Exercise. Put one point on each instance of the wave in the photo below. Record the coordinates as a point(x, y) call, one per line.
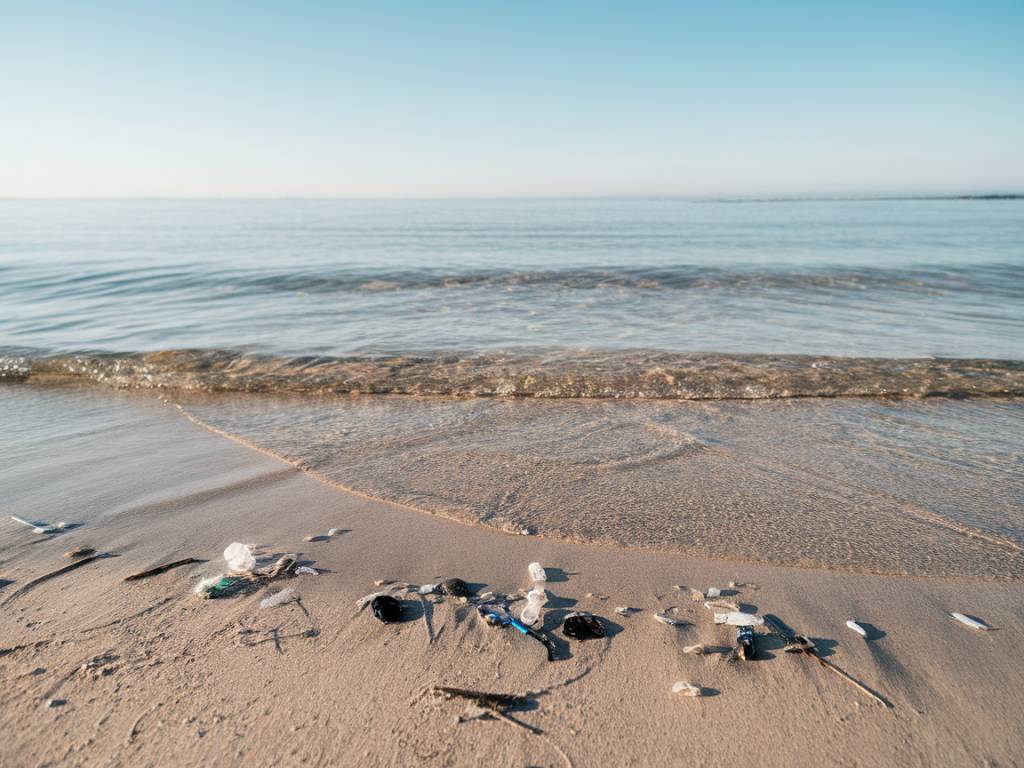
point(1004, 279)
point(628, 375)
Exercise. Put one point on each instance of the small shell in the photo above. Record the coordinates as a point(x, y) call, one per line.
point(305, 570)
point(382, 582)
point(972, 623)
point(597, 596)
point(697, 595)
point(857, 628)
point(334, 531)
point(687, 689)
point(309, 538)
point(79, 552)
point(625, 611)
point(696, 650)
point(714, 592)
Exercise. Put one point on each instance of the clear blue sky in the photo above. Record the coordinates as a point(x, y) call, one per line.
point(381, 99)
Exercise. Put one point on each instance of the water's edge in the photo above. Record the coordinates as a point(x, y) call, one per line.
point(612, 375)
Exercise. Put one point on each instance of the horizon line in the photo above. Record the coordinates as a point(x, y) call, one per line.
point(739, 198)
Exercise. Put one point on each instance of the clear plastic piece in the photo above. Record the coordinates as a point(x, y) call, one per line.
point(239, 557)
point(535, 600)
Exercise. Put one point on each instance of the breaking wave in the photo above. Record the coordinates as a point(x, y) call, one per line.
point(628, 375)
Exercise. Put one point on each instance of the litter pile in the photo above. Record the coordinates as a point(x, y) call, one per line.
point(243, 577)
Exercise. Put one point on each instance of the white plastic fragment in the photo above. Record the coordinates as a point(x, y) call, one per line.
point(687, 689)
point(696, 650)
point(972, 623)
point(45, 528)
point(721, 606)
point(664, 618)
point(739, 619)
point(305, 570)
point(239, 557)
point(857, 628)
point(280, 598)
point(537, 572)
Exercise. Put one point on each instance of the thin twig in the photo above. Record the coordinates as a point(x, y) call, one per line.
point(848, 678)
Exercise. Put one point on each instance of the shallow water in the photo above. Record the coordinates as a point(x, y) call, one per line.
point(922, 487)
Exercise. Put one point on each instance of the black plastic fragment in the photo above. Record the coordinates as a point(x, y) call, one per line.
point(582, 627)
point(387, 609)
point(745, 643)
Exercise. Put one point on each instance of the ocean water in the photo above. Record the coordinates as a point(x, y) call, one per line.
point(580, 357)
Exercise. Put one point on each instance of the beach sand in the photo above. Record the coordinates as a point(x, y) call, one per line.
point(96, 670)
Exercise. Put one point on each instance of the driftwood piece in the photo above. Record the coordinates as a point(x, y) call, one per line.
point(162, 569)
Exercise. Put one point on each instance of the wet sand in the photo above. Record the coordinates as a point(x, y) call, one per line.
point(146, 671)
point(911, 487)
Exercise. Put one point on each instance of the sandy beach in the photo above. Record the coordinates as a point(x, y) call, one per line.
point(97, 670)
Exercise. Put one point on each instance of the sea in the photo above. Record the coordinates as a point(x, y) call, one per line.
point(818, 383)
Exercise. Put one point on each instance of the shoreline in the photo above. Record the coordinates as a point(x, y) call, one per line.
point(144, 668)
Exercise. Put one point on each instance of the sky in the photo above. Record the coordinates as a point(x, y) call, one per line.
point(482, 99)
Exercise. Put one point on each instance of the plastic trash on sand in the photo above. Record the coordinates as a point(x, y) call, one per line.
point(213, 586)
point(722, 606)
point(687, 689)
point(386, 609)
point(745, 642)
point(239, 557)
point(582, 626)
point(857, 628)
point(40, 527)
point(739, 619)
point(972, 623)
point(537, 572)
point(535, 600)
point(282, 597)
